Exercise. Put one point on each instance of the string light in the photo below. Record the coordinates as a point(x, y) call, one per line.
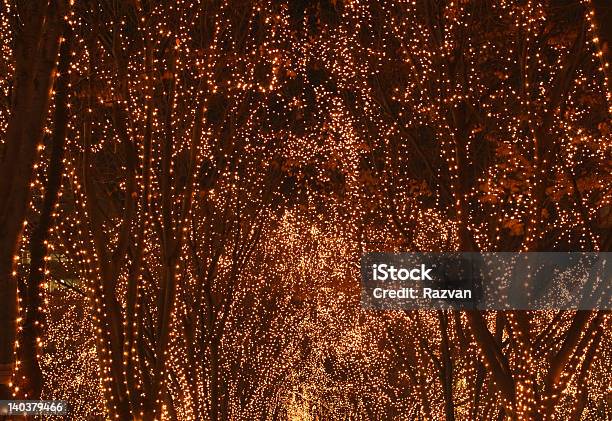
point(227, 165)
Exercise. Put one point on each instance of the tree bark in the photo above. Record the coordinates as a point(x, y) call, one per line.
point(447, 367)
point(36, 51)
point(602, 16)
point(33, 319)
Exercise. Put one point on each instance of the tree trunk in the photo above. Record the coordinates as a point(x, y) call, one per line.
point(602, 16)
point(33, 319)
point(36, 50)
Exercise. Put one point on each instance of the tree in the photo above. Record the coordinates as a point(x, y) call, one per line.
point(479, 123)
point(37, 28)
point(227, 163)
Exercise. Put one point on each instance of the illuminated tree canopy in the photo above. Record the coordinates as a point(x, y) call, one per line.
point(187, 188)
